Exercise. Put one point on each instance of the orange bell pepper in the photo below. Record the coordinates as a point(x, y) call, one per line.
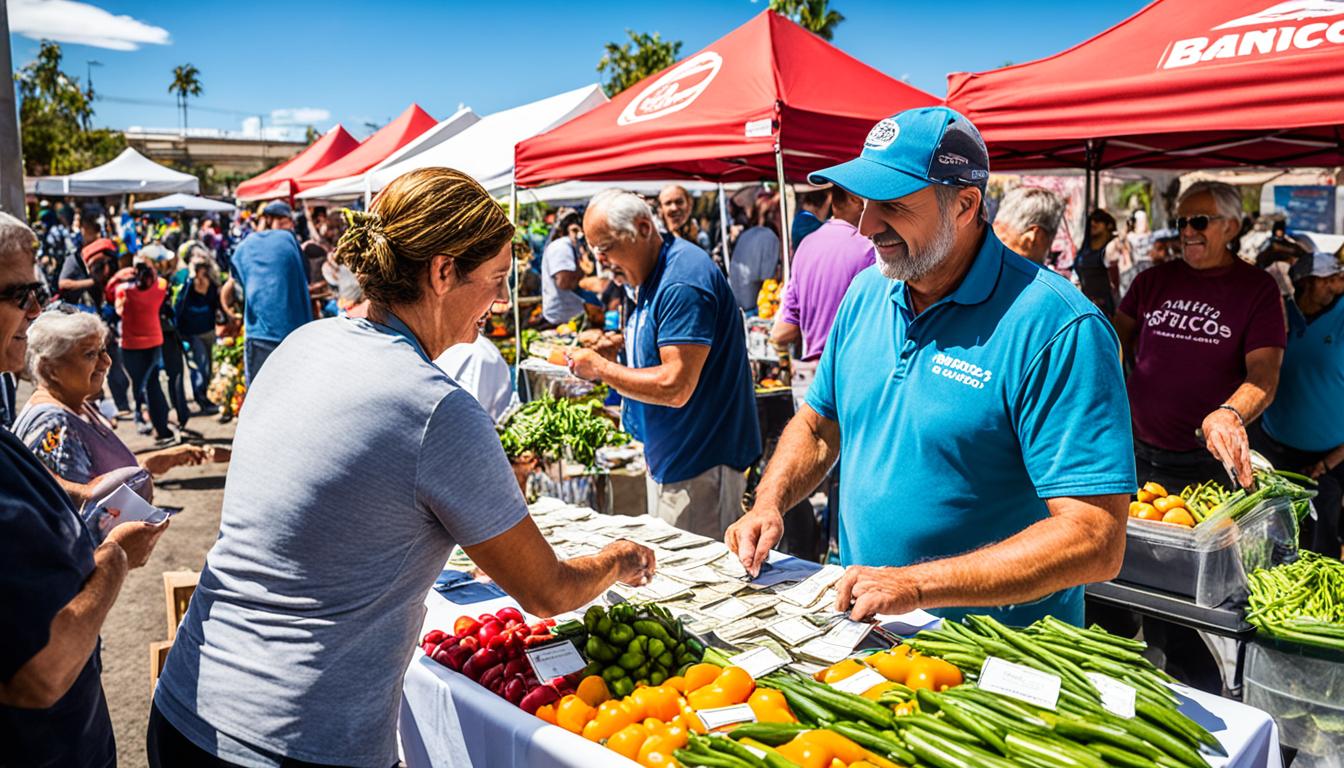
point(627, 741)
point(770, 706)
point(593, 690)
point(572, 713)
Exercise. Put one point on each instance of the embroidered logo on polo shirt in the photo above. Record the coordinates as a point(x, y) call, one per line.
point(960, 371)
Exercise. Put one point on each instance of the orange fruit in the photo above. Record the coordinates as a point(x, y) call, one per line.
point(1155, 489)
point(1148, 512)
point(627, 741)
point(1168, 503)
point(700, 675)
point(1179, 516)
point(1134, 507)
point(1145, 497)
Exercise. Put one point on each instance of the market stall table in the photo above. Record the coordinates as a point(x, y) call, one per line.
point(448, 720)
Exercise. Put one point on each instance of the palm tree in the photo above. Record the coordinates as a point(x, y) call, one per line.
point(186, 83)
point(813, 15)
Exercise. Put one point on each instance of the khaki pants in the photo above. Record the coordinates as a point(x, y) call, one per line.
point(705, 504)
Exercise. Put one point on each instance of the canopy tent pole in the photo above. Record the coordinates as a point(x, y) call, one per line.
point(368, 192)
point(783, 214)
point(723, 227)
point(517, 278)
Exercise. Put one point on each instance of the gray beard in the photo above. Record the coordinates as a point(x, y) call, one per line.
point(917, 264)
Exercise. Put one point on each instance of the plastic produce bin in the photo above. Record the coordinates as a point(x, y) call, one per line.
point(1304, 692)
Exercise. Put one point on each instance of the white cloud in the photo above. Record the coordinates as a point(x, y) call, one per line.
point(67, 21)
point(252, 128)
point(299, 116)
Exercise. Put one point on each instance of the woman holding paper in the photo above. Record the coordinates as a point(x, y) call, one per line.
point(56, 586)
point(67, 357)
point(346, 495)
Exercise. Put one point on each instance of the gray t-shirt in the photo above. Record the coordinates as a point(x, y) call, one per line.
point(558, 306)
point(356, 466)
point(753, 261)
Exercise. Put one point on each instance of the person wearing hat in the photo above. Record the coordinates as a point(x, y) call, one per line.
point(1303, 429)
point(974, 399)
point(270, 269)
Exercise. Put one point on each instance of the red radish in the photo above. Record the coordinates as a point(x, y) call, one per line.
point(537, 698)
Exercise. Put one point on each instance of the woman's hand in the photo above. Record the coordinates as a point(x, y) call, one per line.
point(635, 562)
point(137, 540)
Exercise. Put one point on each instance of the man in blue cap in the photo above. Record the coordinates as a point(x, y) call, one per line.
point(975, 402)
point(274, 277)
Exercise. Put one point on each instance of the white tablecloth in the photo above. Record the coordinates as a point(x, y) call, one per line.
point(448, 721)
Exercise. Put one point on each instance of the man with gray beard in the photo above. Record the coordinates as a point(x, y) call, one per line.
point(975, 402)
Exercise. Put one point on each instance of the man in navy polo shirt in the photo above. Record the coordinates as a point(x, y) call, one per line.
point(687, 386)
point(975, 401)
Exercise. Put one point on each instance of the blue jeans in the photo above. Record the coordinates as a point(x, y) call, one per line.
point(255, 352)
point(144, 365)
point(117, 380)
point(202, 354)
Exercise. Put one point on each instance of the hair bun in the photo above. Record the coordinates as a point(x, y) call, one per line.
point(365, 247)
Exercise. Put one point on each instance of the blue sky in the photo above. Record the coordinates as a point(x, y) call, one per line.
point(365, 62)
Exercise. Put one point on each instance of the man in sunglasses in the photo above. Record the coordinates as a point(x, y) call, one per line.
point(57, 585)
point(1206, 334)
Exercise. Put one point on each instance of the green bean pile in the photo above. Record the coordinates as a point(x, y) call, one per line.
point(1301, 601)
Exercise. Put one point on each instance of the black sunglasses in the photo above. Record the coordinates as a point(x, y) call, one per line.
point(24, 294)
point(1198, 223)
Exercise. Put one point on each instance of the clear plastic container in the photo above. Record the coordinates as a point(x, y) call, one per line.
point(1208, 563)
point(1305, 695)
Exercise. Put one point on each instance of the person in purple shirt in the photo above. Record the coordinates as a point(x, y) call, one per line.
point(823, 267)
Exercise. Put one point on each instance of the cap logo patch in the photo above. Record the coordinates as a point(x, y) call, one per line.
point(952, 158)
point(882, 135)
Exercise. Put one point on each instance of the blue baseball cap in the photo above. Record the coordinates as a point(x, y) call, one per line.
point(909, 151)
point(278, 208)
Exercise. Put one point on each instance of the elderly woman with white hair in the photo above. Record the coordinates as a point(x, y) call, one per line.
point(1207, 334)
point(67, 358)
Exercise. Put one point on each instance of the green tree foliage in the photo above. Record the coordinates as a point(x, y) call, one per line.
point(624, 65)
point(52, 116)
point(186, 84)
point(813, 15)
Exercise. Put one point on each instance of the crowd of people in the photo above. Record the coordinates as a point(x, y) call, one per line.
point(929, 341)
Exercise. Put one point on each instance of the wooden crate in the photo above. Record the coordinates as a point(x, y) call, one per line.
point(178, 587)
point(158, 654)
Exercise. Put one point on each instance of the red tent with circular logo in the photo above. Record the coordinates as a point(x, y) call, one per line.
point(720, 114)
point(1180, 84)
point(280, 181)
point(373, 150)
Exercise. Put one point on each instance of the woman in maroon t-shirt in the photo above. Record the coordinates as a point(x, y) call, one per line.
point(1206, 333)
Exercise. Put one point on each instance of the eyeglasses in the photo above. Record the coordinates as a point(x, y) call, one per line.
point(24, 294)
point(1198, 223)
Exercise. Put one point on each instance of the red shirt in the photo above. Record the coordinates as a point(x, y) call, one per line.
point(140, 327)
point(1195, 328)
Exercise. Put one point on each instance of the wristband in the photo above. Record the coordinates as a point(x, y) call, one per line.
point(1227, 407)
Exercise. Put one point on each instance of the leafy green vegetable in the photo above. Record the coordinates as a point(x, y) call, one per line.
point(555, 428)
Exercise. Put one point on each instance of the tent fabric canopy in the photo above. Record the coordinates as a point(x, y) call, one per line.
point(280, 180)
point(353, 185)
point(183, 202)
point(1177, 85)
point(485, 151)
point(373, 150)
point(718, 114)
point(126, 174)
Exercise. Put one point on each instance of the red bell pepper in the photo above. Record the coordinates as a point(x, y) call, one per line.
point(435, 636)
point(509, 613)
point(457, 657)
point(537, 698)
point(489, 630)
point(515, 689)
point(491, 675)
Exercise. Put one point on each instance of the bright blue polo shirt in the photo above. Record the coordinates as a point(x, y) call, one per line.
point(956, 424)
point(1311, 376)
point(687, 301)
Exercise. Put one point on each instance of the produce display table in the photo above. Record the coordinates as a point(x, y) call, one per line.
point(447, 720)
point(1224, 622)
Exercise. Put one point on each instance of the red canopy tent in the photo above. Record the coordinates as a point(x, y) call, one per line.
point(280, 181)
point(373, 150)
point(769, 99)
point(1177, 85)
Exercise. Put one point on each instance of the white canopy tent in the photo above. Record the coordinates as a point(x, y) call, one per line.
point(130, 173)
point(183, 202)
point(485, 150)
point(354, 186)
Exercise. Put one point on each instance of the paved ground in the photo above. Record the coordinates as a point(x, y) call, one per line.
point(138, 617)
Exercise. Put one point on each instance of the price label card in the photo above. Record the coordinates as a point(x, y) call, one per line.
point(794, 630)
point(729, 609)
point(759, 662)
point(1117, 697)
point(721, 717)
point(809, 589)
point(1020, 682)
point(818, 648)
point(859, 682)
point(554, 660)
point(848, 633)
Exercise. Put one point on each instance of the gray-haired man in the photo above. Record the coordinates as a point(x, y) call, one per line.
point(1027, 220)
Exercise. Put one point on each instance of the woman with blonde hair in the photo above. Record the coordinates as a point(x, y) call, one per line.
point(357, 466)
